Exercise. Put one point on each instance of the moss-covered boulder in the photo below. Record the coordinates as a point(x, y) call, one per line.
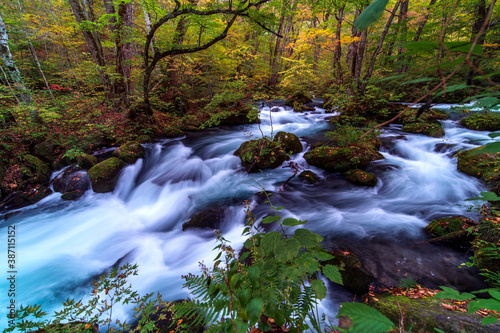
point(433, 129)
point(297, 101)
point(104, 176)
point(483, 166)
point(354, 277)
point(482, 121)
point(289, 141)
point(47, 150)
point(340, 159)
point(429, 116)
point(452, 230)
point(360, 177)
point(309, 176)
point(129, 152)
point(261, 154)
point(86, 161)
point(41, 171)
point(426, 314)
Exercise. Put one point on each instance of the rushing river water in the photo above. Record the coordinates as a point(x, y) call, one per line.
point(62, 246)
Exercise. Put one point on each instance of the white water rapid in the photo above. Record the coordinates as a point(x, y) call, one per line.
point(61, 246)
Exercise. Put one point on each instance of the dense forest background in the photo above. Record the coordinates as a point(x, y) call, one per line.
point(83, 74)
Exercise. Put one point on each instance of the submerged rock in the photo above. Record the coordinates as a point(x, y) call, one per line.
point(31, 195)
point(297, 101)
point(309, 176)
point(359, 177)
point(210, 218)
point(104, 176)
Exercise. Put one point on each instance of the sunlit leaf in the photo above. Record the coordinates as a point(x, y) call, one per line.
point(332, 273)
point(319, 288)
point(290, 222)
point(490, 148)
point(486, 196)
point(450, 293)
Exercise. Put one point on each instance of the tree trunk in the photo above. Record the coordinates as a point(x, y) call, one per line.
point(480, 11)
point(12, 70)
point(403, 28)
point(337, 53)
point(360, 53)
point(353, 47)
point(93, 42)
point(276, 55)
point(377, 50)
point(419, 33)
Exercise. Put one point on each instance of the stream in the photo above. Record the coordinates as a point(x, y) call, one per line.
point(61, 246)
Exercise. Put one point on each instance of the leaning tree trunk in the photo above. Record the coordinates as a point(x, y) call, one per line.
point(480, 17)
point(13, 71)
point(403, 28)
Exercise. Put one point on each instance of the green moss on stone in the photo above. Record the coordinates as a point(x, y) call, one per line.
point(41, 170)
point(309, 176)
point(433, 129)
point(426, 314)
point(340, 159)
point(86, 161)
point(129, 152)
point(483, 166)
point(261, 154)
point(103, 176)
point(354, 277)
point(482, 121)
point(290, 142)
point(359, 177)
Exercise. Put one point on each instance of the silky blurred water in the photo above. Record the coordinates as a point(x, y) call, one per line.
point(62, 246)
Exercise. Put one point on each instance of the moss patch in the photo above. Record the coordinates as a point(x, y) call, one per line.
point(354, 277)
point(104, 176)
point(483, 166)
point(433, 129)
point(340, 159)
point(452, 230)
point(86, 161)
point(482, 121)
point(129, 152)
point(309, 176)
point(359, 177)
point(290, 142)
point(424, 315)
point(41, 171)
point(261, 154)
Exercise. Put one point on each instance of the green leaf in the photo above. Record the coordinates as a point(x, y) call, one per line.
point(489, 304)
point(371, 14)
point(289, 248)
point(392, 77)
point(489, 320)
point(322, 256)
point(307, 238)
point(270, 241)
point(319, 288)
point(495, 293)
point(308, 262)
point(486, 196)
point(270, 219)
point(290, 222)
point(424, 79)
point(254, 309)
point(463, 47)
point(438, 330)
point(487, 102)
point(490, 148)
point(494, 135)
point(365, 318)
point(450, 293)
point(244, 295)
point(332, 273)
point(453, 87)
point(254, 275)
